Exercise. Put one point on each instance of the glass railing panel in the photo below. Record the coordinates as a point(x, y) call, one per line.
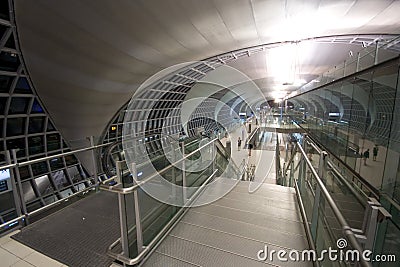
point(385, 52)
point(388, 244)
point(367, 57)
point(351, 204)
point(328, 231)
point(156, 214)
point(351, 67)
point(306, 188)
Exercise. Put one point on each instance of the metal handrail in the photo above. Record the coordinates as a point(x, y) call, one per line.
point(371, 190)
point(118, 188)
point(163, 231)
point(13, 220)
point(344, 181)
point(304, 217)
point(25, 163)
point(347, 230)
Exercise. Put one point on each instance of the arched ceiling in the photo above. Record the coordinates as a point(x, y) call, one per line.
point(86, 58)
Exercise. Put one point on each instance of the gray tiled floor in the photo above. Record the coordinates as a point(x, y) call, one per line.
point(13, 253)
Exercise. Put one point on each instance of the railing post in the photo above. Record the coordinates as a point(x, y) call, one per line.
point(213, 156)
point(317, 199)
point(17, 200)
point(18, 180)
point(376, 53)
point(184, 192)
point(374, 214)
point(358, 61)
point(122, 214)
point(173, 178)
point(139, 233)
point(95, 174)
point(291, 174)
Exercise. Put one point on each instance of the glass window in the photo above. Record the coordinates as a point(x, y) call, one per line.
point(53, 142)
point(10, 42)
point(56, 164)
point(1, 128)
point(74, 174)
point(3, 103)
point(50, 126)
point(66, 193)
point(22, 86)
point(43, 185)
point(70, 160)
point(9, 61)
point(35, 145)
point(80, 187)
point(17, 143)
point(39, 168)
point(29, 194)
point(15, 126)
point(4, 12)
point(59, 179)
point(36, 107)
point(33, 206)
point(24, 172)
point(19, 105)
point(36, 125)
point(5, 83)
point(3, 29)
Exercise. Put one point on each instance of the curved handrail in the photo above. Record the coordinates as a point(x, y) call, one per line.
point(127, 190)
point(164, 230)
point(375, 192)
point(347, 230)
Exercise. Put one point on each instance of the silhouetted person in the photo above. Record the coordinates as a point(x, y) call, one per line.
point(375, 153)
point(239, 143)
point(250, 147)
point(366, 156)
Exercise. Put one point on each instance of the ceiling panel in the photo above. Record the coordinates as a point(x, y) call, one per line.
point(95, 54)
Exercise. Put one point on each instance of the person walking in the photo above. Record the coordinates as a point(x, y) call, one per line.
point(250, 147)
point(239, 143)
point(375, 152)
point(366, 156)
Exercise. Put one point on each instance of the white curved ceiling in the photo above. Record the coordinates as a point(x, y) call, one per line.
point(86, 58)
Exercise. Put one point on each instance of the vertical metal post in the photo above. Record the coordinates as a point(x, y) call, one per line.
point(173, 179)
point(18, 180)
point(17, 201)
point(139, 233)
point(376, 53)
point(317, 199)
point(284, 178)
point(291, 184)
point(122, 215)
point(183, 173)
point(358, 62)
point(213, 156)
point(344, 68)
point(277, 160)
point(95, 174)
